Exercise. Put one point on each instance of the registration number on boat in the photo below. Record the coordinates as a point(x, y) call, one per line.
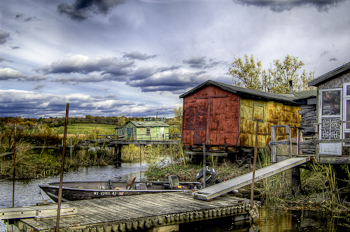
point(108, 193)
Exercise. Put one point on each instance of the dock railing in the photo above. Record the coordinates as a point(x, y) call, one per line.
point(331, 132)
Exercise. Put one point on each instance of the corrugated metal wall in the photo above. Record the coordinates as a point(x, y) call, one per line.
point(211, 116)
point(272, 113)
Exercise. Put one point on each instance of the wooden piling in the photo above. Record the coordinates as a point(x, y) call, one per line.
point(62, 170)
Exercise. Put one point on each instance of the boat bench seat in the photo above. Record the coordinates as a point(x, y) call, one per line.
point(141, 186)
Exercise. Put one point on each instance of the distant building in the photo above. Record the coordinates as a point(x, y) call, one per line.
point(147, 130)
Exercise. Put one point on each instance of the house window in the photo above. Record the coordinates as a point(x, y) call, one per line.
point(148, 131)
point(331, 102)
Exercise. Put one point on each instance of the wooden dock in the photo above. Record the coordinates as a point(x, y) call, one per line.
point(246, 179)
point(128, 213)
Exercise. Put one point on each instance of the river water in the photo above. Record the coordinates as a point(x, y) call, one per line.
point(27, 193)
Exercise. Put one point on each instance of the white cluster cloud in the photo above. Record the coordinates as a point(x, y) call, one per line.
point(11, 74)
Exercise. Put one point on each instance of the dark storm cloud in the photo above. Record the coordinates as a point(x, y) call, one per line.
point(81, 9)
point(8, 74)
point(279, 6)
point(138, 56)
point(147, 78)
point(4, 36)
point(90, 78)
point(84, 65)
point(146, 72)
point(143, 73)
point(171, 81)
point(201, 63)
point(152, 111)
point(171, 68)
point(32, 104)
point(196, 62)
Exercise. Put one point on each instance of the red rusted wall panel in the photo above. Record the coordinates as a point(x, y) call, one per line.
point(211, 116)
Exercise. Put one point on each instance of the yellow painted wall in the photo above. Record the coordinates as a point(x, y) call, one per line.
point(272, 113)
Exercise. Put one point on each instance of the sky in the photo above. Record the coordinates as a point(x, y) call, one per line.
point(136, 57)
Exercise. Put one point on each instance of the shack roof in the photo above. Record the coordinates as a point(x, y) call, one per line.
point(247, 93)
point(325, 77)
point(149, 123)
point(305, 94)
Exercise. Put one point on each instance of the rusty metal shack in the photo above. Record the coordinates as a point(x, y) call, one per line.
point(219, 114)
point(331, 121)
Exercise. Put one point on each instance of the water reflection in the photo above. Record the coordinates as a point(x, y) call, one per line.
point(275, 221)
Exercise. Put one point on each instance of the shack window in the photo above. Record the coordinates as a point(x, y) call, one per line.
point(331, 102)
point(148, 131)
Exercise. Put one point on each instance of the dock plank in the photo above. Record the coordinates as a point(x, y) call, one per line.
point(142, 211)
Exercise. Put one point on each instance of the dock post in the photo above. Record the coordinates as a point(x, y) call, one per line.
point(273, 147)
point(296, 183)
point(119, 153)
point(289, 133)
point(204, 166)
point(62, 170)
point(298, 141)
point(14, 170)
point(71, 148)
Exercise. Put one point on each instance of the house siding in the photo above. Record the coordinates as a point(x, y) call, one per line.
point(139, 133)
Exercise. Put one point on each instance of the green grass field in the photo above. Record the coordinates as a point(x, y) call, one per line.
point(87, 128)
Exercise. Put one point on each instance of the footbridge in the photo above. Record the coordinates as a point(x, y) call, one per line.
point(233, 184)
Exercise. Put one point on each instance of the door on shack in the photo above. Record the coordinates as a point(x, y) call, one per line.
point(330, 117)
point(161, 132)
point(210, 120)
point(130, 132)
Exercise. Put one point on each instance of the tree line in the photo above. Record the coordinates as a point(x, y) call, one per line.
point(248, 73)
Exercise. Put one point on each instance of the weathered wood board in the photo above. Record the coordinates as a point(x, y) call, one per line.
point(139, 212)
point(246, 179)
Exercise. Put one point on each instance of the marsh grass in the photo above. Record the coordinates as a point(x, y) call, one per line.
point(318, 184)
point(44, 162)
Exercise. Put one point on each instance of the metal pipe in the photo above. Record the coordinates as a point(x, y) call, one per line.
point(62, 170)
point(14, 170)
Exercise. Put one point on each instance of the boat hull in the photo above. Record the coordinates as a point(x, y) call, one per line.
point(72, 191)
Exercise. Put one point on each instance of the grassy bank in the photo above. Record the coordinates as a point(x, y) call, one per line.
point(44, 162)
point(88, 128)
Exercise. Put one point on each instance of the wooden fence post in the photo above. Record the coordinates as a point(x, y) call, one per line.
point(273, 147)
point(289, 133)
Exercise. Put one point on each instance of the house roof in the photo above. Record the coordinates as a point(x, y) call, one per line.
point(148, 123)
point(317, 81)
point(250, 93)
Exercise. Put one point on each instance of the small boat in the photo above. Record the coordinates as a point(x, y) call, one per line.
point(83, 190)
